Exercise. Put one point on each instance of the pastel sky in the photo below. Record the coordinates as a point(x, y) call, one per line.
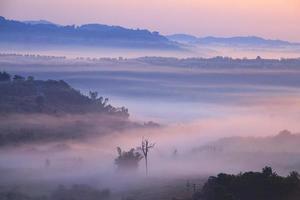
point(267, 18)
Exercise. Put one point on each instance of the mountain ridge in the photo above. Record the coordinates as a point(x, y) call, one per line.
point(38, 33)
point(234, 41)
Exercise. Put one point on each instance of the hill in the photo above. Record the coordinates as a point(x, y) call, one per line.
point(284, 141)
point(182, 38)
point(33, 22)
point(38, 33)
point(241, 41)
point(20, 95)
point(45, 111)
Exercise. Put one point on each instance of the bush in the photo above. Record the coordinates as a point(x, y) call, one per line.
point(251, 185)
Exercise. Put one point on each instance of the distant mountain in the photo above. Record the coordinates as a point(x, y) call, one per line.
point(242, 41)
point(39, 33)
point(229, 41)
point(183, 38)
point(285, 141)
point(34, 22)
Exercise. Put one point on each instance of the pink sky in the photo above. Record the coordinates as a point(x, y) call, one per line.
point(267, 18)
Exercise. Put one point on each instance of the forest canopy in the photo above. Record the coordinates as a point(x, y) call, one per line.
point(27, 95)
point(251, 185)
point(44, 111)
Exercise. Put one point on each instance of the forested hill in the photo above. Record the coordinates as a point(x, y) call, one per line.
point(27, 95)
point(89, 35)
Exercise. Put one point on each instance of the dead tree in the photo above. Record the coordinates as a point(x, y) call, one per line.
point(146, 146)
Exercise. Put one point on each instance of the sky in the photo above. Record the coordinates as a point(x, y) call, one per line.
point(274, 19)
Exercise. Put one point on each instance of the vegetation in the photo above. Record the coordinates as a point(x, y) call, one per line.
point(41, 111)
point(145, 147)
point(128, 160)
point(251, 185)
point(20, 95)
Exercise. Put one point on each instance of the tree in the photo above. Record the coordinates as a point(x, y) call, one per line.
point(294, 177)
point(128, 160)
point(145, 147)
point(30, 78)
point(267, 171)
point(98, 100)
point(18, 78)
point(250, 185)
point(4, 76)
point(93, 95)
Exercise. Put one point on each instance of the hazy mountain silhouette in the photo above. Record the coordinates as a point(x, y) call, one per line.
point(42, 32)
point(34, 22)
point(182, 38)
point(284, 141)
point(229, 41)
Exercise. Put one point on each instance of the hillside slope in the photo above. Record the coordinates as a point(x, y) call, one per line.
point(20, 95)
point(88, 35)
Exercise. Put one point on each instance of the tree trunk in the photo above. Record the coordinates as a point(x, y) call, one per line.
point(146, 160)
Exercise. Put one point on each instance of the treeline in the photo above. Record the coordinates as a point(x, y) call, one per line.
point(224, 62)
point(27, 95)
point(251, 185)
point(195, 62)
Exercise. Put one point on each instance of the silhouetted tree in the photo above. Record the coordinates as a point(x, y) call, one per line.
point(93, 95)
point(175, 153)
point(30, 78)
point(4, 76)
point(188, 185)
point(145, 147)
point(251, 185)
point(128, 160)
point(18, 78)
point(267, 171)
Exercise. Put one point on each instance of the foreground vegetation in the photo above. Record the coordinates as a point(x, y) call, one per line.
point(263, 185)
point(251, 185)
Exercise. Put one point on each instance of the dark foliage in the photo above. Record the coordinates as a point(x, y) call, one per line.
point(18, 78)
point(50, 97)
point(128, 160)
point(251, 185)
point(71, 115)
point(14, 194)
point(4, 76)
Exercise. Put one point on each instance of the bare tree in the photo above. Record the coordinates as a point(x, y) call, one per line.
point(146, 146)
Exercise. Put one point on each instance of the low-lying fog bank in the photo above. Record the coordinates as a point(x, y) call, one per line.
point(199, 148)
point(219, 119)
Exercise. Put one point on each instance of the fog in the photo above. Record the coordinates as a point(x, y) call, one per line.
point(187, 50)
point(199, 110)
point(91, 160)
